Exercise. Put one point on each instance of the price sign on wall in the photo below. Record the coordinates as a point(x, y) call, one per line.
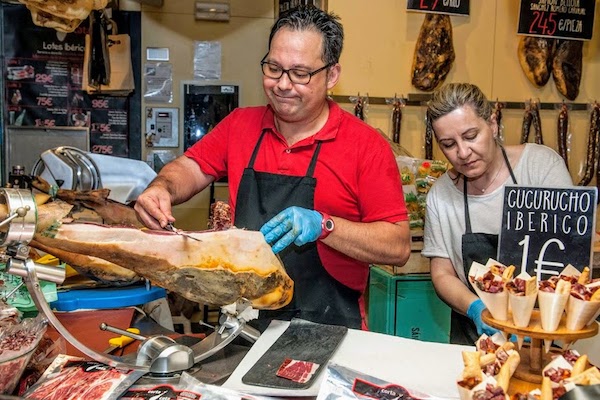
point(545, 229)
point(455, 7)
point(568, 19)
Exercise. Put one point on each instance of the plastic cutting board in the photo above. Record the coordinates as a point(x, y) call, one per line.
point(302, 340)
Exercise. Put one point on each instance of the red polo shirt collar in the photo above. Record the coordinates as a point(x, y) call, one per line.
point(327, 132)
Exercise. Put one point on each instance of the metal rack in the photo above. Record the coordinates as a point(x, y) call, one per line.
point(419, 100)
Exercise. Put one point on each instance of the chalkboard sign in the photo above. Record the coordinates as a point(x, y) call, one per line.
point(567, 19)
point(545, 229)
point(455, 7)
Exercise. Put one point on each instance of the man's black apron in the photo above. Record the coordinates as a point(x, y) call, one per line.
point(318, 297)
point(475, 247)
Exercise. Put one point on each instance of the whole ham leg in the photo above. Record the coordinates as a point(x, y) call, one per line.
point(225, 266)
point(434, 52)
point(535, 56)
point(567, 66)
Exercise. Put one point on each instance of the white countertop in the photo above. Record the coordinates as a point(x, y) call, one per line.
point(427, 367)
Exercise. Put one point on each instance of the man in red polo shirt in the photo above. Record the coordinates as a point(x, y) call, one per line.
point(319, 183)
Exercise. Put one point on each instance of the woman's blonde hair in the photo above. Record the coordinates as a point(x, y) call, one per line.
point(455, 95)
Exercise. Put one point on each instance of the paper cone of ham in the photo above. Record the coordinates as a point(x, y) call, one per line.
point(472, 375)
point(552, 305)
point(571, 272)
point(495, 297)
point(467, 394)
point(580, 313)
point(522, 294)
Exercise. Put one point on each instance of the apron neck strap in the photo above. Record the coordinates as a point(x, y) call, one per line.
point(465, 196)
point(313, 162)
point(255, 151)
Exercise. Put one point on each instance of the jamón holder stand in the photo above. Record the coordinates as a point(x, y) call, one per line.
point(158, 355)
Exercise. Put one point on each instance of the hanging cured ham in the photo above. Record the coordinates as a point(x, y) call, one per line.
point(535, 56)
point(567, 66)
point(434, 52)
point(62, 15)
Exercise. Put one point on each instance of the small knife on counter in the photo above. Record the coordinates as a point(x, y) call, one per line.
point(121, 341)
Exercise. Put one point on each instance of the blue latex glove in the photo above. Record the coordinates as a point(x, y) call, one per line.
point(293, 225)
point(474, 312)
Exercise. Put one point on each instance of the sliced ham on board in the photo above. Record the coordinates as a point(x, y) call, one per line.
point(296, 370)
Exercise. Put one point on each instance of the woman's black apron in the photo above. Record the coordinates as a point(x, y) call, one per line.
point(477, 247)
point(318, 297)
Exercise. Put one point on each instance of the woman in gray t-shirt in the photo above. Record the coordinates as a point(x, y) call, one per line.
point(464, 206)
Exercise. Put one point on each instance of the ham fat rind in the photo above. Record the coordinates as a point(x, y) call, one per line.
point(224, 267)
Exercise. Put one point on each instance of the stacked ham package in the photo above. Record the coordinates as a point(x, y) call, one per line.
point(18, 341)
point(73, 378)
point(344, 383)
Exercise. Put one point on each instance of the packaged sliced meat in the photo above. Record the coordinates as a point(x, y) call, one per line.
point(187, 387)
point(73, 378)
point(17, 344)
point(344, 383)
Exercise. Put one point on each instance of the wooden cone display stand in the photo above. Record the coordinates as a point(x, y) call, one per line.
point(533, 356)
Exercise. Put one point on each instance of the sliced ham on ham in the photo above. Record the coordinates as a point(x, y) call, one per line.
point(225, 266)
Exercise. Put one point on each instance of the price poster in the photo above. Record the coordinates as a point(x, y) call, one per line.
point(43, 84)
point(566, 19)
point(453, 7)
point(545, 229)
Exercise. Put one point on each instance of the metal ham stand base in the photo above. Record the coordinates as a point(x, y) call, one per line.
point(157, 355)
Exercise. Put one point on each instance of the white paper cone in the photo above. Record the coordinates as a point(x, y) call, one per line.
point(496, 303)
point(476, 270)
point(547, 344)
point(580, 313)
point(557, 362)
point(551, 306)
point(522, 307)
point(520, 340)
point(466, 394)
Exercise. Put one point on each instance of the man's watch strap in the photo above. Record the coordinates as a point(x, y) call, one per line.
point(327, 225)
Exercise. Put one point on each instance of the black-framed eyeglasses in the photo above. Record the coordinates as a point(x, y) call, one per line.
point(297, 76)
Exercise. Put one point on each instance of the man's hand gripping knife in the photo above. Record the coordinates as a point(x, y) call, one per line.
point(293, 225)
point(474, 312)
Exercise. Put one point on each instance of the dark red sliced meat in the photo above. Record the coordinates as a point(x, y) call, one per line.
point(296, 370)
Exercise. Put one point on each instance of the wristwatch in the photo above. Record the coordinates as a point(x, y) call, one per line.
point(327, 225)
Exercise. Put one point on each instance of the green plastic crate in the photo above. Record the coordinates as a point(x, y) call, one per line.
point(407, 306)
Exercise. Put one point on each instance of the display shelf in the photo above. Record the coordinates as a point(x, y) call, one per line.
point(533, 358)
point(420, 100)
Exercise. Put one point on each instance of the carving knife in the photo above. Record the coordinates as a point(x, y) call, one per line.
point(171, 227)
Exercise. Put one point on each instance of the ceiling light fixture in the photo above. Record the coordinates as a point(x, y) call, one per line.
point(208, 11)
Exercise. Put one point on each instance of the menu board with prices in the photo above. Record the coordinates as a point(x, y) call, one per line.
point(566, 19)
point(43, 84)
point(545, 229)
point(453, 7)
